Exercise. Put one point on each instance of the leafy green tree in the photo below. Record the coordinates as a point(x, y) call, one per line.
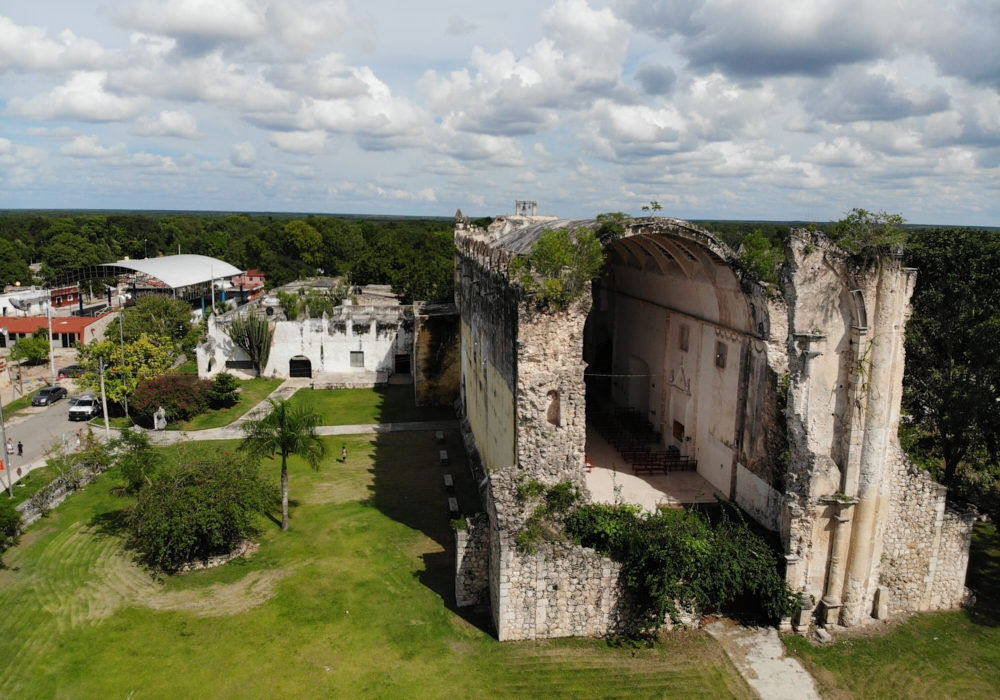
point(224, 391)
point(164, 320)
point(288, 429)
point(761, 256)
point(69, 251)
point(13, 268)
point(144, 359)
point(197, 509)
point(952, 381)
point(291, 305)
point(33, 350)
point(869, 235)
point(559, 265)
point(306, 242)
point(136, 459)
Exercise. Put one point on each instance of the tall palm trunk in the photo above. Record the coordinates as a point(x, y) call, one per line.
point(284, 492)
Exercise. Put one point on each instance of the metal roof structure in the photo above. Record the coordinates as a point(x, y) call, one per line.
point(189, 276)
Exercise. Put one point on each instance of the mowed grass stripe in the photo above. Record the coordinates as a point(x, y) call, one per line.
point(360, 604)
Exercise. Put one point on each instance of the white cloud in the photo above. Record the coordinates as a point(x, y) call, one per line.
point(29, 49)
point(177, 123)
point(243, 155)
point(842, 152)
point(201, 22)
point(83, 97)
point(309, 142)
point(425, 195)
point(90, 147)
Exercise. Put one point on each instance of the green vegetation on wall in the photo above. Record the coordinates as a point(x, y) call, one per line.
point(559, 265)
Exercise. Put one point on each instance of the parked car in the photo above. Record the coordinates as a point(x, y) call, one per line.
point(71, 371)
point(49, 395)
point(86, 407)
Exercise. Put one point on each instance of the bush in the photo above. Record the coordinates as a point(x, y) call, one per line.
point(10, 524)
point(182, 396)
point(559, 266)
point(197, 510)
point(676, 557)
point(136, 460)
point(224, 391)
point(34, 349)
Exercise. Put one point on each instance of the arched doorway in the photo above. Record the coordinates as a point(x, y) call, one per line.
point(300, 366)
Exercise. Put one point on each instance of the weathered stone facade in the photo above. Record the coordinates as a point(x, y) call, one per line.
point(789, 400)
point(472, 562)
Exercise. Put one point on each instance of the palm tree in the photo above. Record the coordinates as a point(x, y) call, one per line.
point(289, 430)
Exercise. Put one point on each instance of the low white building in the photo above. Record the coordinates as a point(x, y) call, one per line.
point(354, 346)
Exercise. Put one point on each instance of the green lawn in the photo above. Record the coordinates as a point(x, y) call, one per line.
point(32, 484)
point(356, 600)
point(252, 392)
point(384, 404)
point(187, 367)
point(936, 655)
point(18, 405)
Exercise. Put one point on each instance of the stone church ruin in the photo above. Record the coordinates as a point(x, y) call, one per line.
point(680, 378)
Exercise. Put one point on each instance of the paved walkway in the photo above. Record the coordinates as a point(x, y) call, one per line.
point(760, 658)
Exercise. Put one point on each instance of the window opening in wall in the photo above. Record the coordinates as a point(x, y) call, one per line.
point(552, 415)
point(678, 430)
point(684, 336)
point(358, 360)
point(721, 349)
point(402, 363)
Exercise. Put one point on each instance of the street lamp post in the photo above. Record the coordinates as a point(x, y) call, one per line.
point(3, 436)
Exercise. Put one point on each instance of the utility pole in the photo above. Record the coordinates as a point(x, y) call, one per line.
point(211, 271)
point(52, 350)
point(121, 334)
point(104, 403)
point(3, 436)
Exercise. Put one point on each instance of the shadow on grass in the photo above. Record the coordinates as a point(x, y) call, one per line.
point(408, 486)
point(983, 578)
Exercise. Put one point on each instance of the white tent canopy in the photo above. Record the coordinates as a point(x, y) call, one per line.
point(177, 270)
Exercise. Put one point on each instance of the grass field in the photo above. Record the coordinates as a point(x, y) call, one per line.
point(939, 655)
point(253, 391)
point(385, 404)
point(18, 405)
point(356, 600)
point(32, 484)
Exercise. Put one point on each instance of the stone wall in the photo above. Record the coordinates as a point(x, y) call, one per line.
point(472, 583)
point(437, 370)
point(926, 544)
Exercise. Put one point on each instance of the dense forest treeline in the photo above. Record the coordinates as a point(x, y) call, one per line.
point(415, 256)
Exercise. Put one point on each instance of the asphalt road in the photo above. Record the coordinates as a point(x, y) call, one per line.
point(39, 429)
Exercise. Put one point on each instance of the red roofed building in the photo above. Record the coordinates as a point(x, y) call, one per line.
point(66, 330)
point(252, 283)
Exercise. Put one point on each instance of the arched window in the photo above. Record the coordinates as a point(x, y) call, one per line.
point(552, 415)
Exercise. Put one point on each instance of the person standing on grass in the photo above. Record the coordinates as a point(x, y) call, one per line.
point(343, 454)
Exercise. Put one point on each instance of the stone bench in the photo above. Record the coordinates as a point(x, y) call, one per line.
point(449, 483)
point(439, 437)
point(443, 456)
point(453, 507)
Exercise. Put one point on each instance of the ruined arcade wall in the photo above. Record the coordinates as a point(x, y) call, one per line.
point(437, 363)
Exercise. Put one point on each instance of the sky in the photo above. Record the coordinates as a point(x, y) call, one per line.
point(716, 109)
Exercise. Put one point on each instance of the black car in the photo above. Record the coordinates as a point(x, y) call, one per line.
point(71, 371)
point(48, 396)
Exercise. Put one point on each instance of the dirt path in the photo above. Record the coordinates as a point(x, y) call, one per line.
point(760, 657)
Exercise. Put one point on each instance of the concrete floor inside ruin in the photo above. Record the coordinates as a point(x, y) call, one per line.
point(648, 490)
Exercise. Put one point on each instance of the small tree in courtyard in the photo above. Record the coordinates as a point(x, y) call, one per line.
point(286, 430)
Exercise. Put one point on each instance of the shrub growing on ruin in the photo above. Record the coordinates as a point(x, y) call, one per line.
point(870, 236)
point(182, 396)
point(677, 558)
point(198, 509)
point(559, 266)
point(761, 256)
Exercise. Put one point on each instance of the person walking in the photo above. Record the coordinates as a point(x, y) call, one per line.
point(343, 454)
point(20, 449)
point(10, 447)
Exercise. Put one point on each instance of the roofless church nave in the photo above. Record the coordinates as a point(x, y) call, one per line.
point(694, 380)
